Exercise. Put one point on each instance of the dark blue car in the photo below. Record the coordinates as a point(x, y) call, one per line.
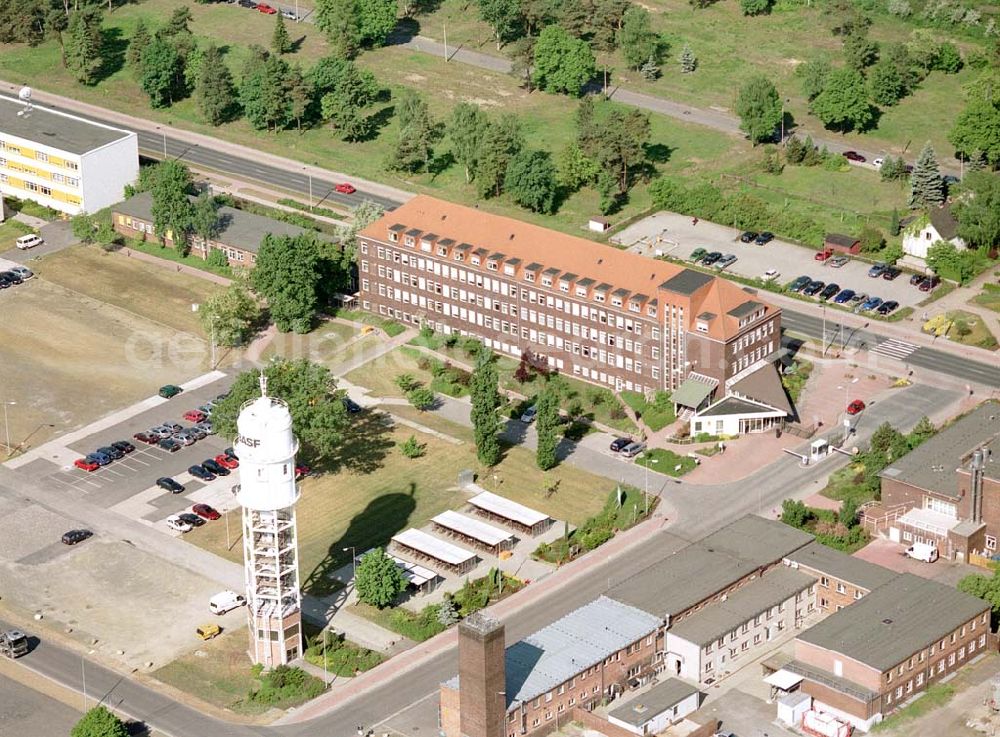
point(844, 297)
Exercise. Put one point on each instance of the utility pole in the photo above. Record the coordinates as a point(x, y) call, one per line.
point(445, 25)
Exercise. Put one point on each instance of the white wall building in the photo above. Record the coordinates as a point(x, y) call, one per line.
point(654, 710)
point(939, 225)
point(62, 161)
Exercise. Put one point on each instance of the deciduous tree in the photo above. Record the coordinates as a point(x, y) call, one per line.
point(978, 213)
point(346, 98)
point(860, 52)
point(172, 209)
point(885, 85)
point(287, 275)
point(531, 181)
point(378, 579)
point(843, 104)
point(755, 7)
point(814, 74)
point(613, 137)
point(484, 388)
point(926, 183)
point(161, 72)
point(263, 93)
point(547, 428)
point(502, 16)
point(99, 722)
point(502, 141)
point(759, 108)
point(977, 129)
point(636, 39)
point(230, 314)
point(562, 63)
point(466, 130)
point(376, 19)
point(214, 92)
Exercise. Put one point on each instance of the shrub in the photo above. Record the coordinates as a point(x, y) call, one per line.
point(406, 383)
point(451, 341)
point(286, 683)
point(412, 448)
point(421, 398)
point(424, 363)
point(217, 258)
point(471, 347)
point(426, 332)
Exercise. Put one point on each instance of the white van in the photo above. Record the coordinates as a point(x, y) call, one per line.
point(923, 551)
point(225, 601)
point(28, 241)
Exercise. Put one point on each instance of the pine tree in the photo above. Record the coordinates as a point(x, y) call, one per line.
point(416, 134)
point(688, 60)
point(926, 184)
point(485, 402)
point(339, 21)
point(547, 425)
point(136, 45)
point(214, 92)
point(894, 222)
point(280, 41)
point(83, 45)
point(650, 70)
point(977, 161)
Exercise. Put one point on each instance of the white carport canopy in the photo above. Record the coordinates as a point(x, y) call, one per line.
point(783, 679)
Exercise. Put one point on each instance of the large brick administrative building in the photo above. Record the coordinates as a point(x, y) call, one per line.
point(585, 309)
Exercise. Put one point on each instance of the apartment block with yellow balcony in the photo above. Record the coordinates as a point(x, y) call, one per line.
point(62, 161)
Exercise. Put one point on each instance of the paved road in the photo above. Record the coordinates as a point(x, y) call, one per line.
point(702, 509)
point(24, 711)
point(920, 357)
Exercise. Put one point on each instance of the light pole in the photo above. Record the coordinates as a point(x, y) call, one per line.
point(164, 134)
point(6, 426)
point(354, 560)
point(214, 318)
point(824, 329)
point(83, 673)
point(309, 176)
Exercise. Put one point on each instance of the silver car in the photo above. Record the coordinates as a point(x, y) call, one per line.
point(22, 271)
point(725, 261)
point(633, 449)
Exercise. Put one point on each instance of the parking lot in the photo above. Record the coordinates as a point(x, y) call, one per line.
point(670, 234)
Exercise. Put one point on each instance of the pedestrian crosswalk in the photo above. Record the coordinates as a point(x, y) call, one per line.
point(893, 348)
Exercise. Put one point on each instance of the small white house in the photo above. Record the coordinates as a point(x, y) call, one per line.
point(653, 711)
point(599, 224)
point(939, 225)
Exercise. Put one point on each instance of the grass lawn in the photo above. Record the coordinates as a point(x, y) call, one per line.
point(10, 231)
point(432, 420)
point(172, 254)
point(598, 404)
point(391, 327)
point(371, 491)
point(935, 696)
point(795, 382)
point(968, 328)
point(142, 288)
point(655, 417)
point(666, 461)
point(845, 483)
point(988, 298)
point(382, 380)
point(417, 626)
point(325, 344)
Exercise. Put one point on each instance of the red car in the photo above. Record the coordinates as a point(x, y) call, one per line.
point(195, 415)
point(205, 512)
point(823, 255)
point(227, 461)
point(345, 188)
point(84, 465)
point(145, 437)
point(266, 9)
point(302, 471)
point(854, 156)
point(854, 407)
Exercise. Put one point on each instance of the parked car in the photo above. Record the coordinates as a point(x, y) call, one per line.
point(854, 156)
point(301, 471)
point(854, 407)
point(86, 465)
point(886, 307)
point(102, 459)
point(5, 283)
point(192, 519)
point(23, 271)
point(764, 238)
point(13, 278)
point(124, 446)
point(749, 236)
point(160, 432)
point(185, 438)
point(265, 9)
point(345, 188)
point(877, 163)
point(915, 279)
point(231, 453)
point(195, 415)
point(200, 472)
point(813, 288)
point(529, 414)
point(350, 405)
point(168, 484)
point(246, 4)
point(891, 272)
point(926, 552)
point(823, 255)
point(877, 270)
point(112, 453)
point(225, 601)
point(929, 283)
point(837, 261)
point(208, 631)
point(170, 445)
point(227, 461)
point(168, 391)
point(290, 14)
point(76, 536)
point(799, 284)
point(217, 468)
point(710, 258)
point(205, 511)
point(145, 437)
point(205, 427)
point(633, 449)
point(872, 304)
point(771, 275)
point(726, 260)
point(697, 253)
point(206, 409)
point(174, 522)
point(25, 242)
point(859, 297)
point(173, 426)
point(844, 297)
point(618, 443)
point(829, 290)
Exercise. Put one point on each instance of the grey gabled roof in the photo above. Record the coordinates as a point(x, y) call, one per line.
point(895, 621)
point(759, 540)
point(646, 706)
point(581, 639)
point(931, 466)
point(840, 565)
point(687, 282)
point(840, 239)
point(764, 386)
point(720, 618)
point(58, 130)
point(943, 221)
point(745, 309)
point(735, 406)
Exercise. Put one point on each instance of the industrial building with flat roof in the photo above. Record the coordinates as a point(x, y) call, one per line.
point(62, 161)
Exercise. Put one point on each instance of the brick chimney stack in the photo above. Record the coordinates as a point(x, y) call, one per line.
point(482, 681)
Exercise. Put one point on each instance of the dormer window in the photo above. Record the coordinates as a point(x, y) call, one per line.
point(425, 246)
point(459, 256)
point(581, 291)
point(598, 296)
point(701, 326)
point(475, 260)
point(651, 311)
point(633, 306)
point(529, 276)
point(442, 251)
point(491, 265)
point(409, 240)
point(508, 269)
point(546, 281)
point(616, 301)
point(394, 236)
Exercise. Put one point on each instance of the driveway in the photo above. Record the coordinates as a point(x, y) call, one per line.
point(57, 235)
point(892, 556)
point(674, 235)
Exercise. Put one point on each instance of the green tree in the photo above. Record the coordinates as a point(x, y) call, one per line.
point(926, 184)
point(759, 108)
point(986, 588)
point(378, 579)
point(531, 181)
point(502, 141)
point(522, 61)
point(214, 92)
point(885, 85)
point(894, 224)
point(287, 275)
point(843, 104)
point(230, 314)
point(547, 427)
point(486, 401)
point(562, 63)
point(607, 17)
point(84, 46)
point(55, 24)
point(376, 19)
point(172, 209)
point(23, 22)
point(755, 7)
point(872, 240)
point(574, 16)
point(99, 722)
point(193, 64)
point(860, 52)
point(205, 217)
point(467, 129)
point(421, 398)
point(574, 169)
point(161, 72)
point(178, 21)
point(814, 74)
point(299, 93)
point(502, 16)
point(923, 430)
point(957, 264)
point(978, 213)
point(615, 138)
point(310, 390)
point(893, 168)
point(848, 514)
point(688, 60)
point(977, 129)
point(417, 133)
point(341, 24)
point(346, 98)
point(795, 513)
point(263, 94)
point(535, 14)
point(636, 38)
point(412, 448)
point(949, 59)
point(281, 43)
point(136, 45)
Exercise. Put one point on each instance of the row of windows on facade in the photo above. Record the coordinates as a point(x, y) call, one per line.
point(937, 668)
point(272, 635)
point(54, 176)
point(734, 653)
point(233, 254)
point(745, 627)
point(599, 295)
point(498, 286)
point(936, 647)
point(39, 155)
point(841, 587)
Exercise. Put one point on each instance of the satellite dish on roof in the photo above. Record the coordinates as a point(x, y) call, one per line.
point(25, 94)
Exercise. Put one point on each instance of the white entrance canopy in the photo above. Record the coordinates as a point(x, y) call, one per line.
point(783, 679)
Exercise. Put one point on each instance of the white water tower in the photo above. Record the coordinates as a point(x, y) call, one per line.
point(266, 448)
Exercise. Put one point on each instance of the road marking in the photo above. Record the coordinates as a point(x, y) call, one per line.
point(894, 348)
